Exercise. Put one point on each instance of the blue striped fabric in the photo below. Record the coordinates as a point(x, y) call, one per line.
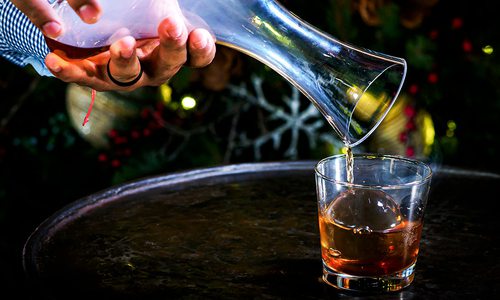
point(20, 41)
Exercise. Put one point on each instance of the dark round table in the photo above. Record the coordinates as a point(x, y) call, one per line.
point(248, 231)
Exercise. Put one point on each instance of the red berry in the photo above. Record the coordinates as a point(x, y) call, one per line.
point(413, 89)
point(467, 46)
point(113, 133)
point(115, 163)
point(120, 140)
point(127, 152)
point(145, 113)
point(410, 151)
point(135, 134)
point(403, 137)
point(457, 23)
point(433, 78)
point(410, 111)
point(434, 34)
point(410, 125)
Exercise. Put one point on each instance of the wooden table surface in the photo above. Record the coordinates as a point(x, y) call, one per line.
point(248, 231)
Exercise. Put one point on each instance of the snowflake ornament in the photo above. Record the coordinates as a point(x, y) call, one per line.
point(290, 118)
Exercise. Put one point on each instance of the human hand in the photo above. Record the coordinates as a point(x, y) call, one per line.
point(149, 62)
point(46, 19)
point(134, 63)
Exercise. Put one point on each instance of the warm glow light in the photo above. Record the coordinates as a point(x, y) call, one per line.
point(488, 49)
point(354, 93)
point(367, 106)
point(429, 133)
point(451, 128)
point(188, 103)
point(166, 93)
point(452, 125)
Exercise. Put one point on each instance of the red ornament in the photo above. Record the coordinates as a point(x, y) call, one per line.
point(102, 157)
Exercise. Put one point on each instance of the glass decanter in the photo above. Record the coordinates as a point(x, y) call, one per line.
point(354, 88)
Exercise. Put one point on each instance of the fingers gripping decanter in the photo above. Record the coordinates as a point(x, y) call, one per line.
point(353, 88)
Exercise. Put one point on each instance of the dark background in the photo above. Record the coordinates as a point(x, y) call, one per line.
point(46, 163)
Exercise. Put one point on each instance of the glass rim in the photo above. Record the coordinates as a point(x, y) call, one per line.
point(397, 62)
point(428, 174)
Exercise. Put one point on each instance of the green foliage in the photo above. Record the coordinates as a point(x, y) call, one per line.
point(146, 163)
point(390, 27)
point(420, 53)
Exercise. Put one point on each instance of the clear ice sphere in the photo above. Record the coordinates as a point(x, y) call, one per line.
point(411, 209)
point(365, 210)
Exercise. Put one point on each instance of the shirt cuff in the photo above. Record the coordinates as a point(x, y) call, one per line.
point(20, 41)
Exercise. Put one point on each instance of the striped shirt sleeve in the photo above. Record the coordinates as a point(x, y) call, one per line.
point(20, 41)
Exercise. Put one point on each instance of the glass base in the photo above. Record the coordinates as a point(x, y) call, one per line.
point(387, 283)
